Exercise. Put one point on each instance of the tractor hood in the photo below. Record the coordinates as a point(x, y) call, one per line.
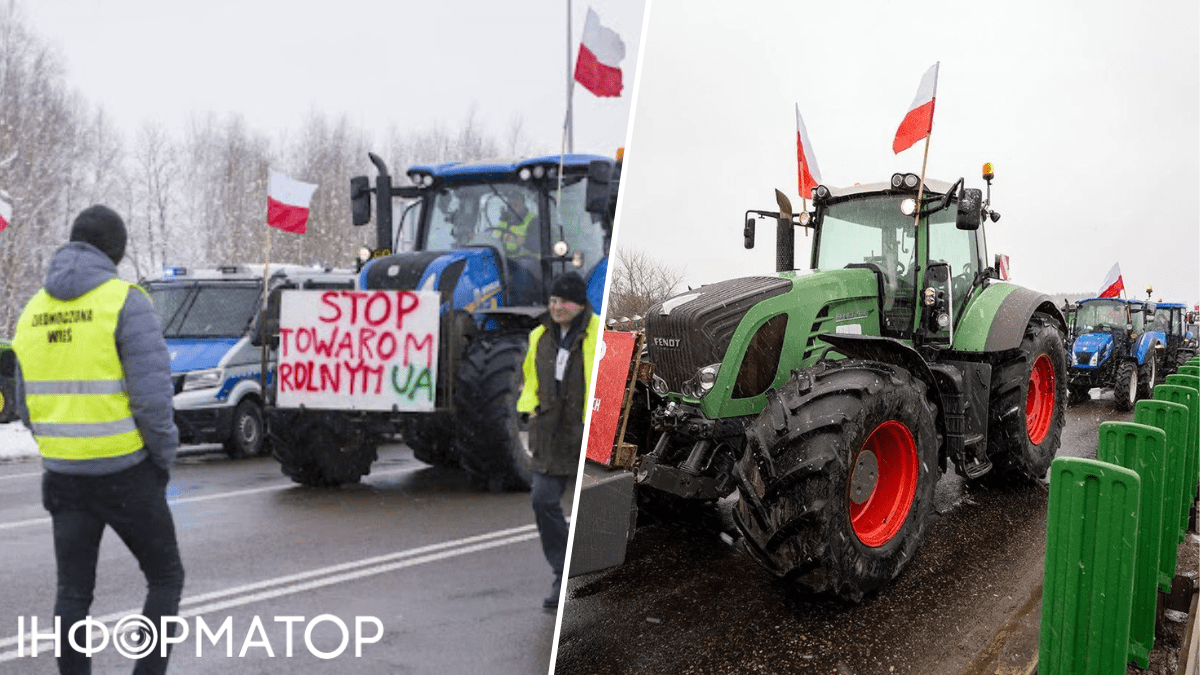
point(468, 278)
point(693, 329)
point(1091, 349)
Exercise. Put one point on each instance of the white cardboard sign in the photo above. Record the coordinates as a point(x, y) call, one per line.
point(358, 350)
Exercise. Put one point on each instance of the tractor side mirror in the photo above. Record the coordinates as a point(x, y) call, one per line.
point(8, 363)
point(599, 176)
point(970, 209)
point(1150, 308)
point(748, 233)
point(360, 200)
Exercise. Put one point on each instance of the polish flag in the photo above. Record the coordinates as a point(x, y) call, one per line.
point(1113, 284)
point(600, 54)
point(919, 121)
point(5, 214)
point(287, 203)
point(806, 159)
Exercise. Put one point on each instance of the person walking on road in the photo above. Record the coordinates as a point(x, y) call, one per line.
point(558, 373)
point(94, 387)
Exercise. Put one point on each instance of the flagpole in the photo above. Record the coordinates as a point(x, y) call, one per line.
point(568, 125)
point(262, 321)
point(921, 185)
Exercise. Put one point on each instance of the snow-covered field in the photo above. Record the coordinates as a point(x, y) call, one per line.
point(16, 442)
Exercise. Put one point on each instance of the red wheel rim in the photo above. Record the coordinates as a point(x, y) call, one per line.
point(880, 500)
point(1039, 402)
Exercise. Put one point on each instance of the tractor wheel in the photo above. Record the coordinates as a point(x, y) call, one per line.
point(322, 449)
point(1147, 374)
point(8, 401)
point(1125, 388)
point(431, 439)
point(247, 434)
point(492, 443)
point(1028, 406)
point(836, 484)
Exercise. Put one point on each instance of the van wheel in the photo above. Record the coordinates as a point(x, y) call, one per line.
point(246, 436)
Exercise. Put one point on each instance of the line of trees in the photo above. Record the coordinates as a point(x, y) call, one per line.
point(198, 198)
point(638, 281)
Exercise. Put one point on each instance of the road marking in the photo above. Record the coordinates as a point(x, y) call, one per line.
point(335, 574)
point(199, 498)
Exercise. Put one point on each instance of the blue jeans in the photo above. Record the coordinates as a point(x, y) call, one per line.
point(133, 503)
point(546, 493)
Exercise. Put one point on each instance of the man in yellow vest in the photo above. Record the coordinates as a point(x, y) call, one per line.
point(94, 387)
point(558, 374)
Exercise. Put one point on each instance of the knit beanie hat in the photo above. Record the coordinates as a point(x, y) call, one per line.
point(570, 286)
point(101, 227)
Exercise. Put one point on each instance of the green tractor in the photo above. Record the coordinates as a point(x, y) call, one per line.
point(833, 399)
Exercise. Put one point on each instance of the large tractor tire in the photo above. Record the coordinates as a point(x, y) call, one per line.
point(1028, 406)
point(248, 433)
point(322, 449)
point(8, 401)
point(1125, 388)
point(492, 442)
point(1147, 375)
point(837, 479)
point(431, 439)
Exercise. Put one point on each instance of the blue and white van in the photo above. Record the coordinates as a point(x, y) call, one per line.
point(209, 317)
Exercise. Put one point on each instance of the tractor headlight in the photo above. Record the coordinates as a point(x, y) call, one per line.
point(659, 385)
point(203, 379)
point(908, 206)
point(943, 320)
point(561, 248)
point(539, 171)
point(525, 173)
point(703, 382)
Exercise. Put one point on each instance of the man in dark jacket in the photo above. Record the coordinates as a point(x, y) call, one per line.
point(94, 387)
point(558, 374)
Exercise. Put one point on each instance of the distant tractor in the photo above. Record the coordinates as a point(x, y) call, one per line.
point(831, 400)
point(1178, 343)
point(486, 240)
point(1111, 348)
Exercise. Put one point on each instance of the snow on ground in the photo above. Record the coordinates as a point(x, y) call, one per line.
point(16, 442)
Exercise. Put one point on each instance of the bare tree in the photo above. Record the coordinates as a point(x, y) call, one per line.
point(638, 282)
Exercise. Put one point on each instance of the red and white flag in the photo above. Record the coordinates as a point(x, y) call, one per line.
point(919, 121)
point(1113, 284)
point(806, 159)
point(5, 214)
point(287, 203)
point(600, 53)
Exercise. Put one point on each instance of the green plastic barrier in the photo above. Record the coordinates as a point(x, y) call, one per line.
point(1141, 448)
point(1186, 394)
point(1087, 596)
point(1189, 370)
point(1172, 418)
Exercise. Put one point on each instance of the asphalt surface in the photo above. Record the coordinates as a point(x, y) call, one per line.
point(690, 600)
point(453, 579)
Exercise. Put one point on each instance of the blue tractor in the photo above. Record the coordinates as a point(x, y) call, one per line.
point(1112, 347)
point(489, 237)
point(1178, 343)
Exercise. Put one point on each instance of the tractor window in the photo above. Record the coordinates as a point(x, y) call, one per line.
point(503, 215)
point(571, 222)
point(1100, 317)
point(873, 230)
point(1160, 322)
point(957, 247)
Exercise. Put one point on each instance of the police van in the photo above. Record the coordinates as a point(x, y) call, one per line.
point(209, 318)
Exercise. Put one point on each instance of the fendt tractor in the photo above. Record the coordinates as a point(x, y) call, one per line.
point(831, 400)
point(488, 238)
point(1113, 347)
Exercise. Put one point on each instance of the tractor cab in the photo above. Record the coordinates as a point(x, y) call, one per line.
point(494, 234)
point(1178, 343)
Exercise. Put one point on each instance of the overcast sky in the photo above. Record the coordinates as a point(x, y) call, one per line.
point(1090, 112)
point(415, 65)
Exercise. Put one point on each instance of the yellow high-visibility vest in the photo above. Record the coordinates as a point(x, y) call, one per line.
point(74, 381)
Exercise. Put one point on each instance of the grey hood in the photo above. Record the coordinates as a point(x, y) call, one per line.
point(77, 268)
